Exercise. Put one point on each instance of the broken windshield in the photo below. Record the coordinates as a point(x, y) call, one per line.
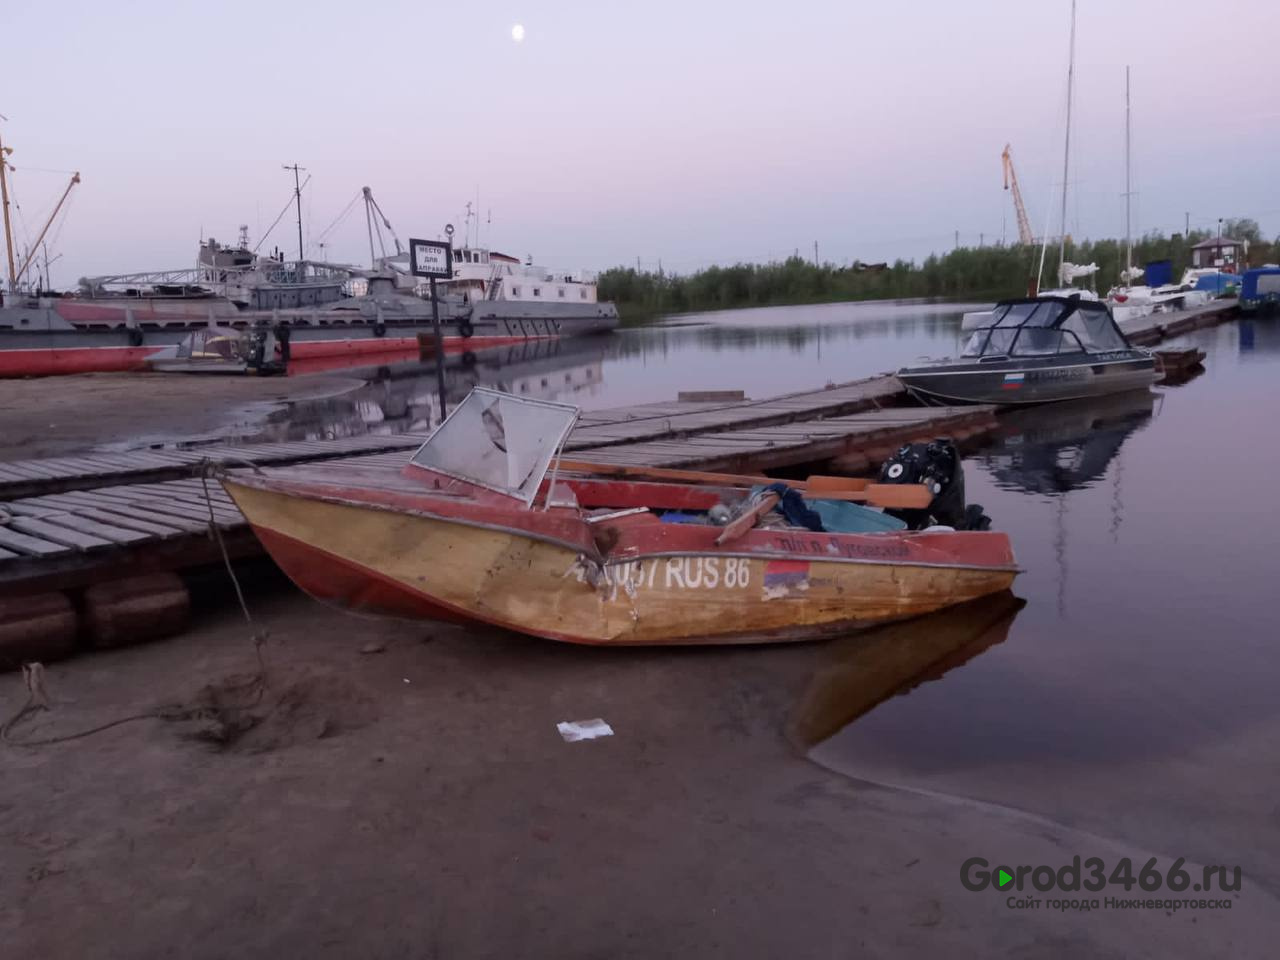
point(501, 442)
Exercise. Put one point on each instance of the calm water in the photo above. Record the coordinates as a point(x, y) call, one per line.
point(1130, 688)
point(1136, 692)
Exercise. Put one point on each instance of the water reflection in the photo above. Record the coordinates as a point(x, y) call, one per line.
point(866, 669)
point(404, 398)
point(1258, 337)
point(1054, 448)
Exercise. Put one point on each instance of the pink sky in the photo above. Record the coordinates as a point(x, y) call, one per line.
point(694, 133)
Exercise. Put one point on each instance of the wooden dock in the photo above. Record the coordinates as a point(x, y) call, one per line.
point(23, 478)
point(1145, 331)
point(69, 521)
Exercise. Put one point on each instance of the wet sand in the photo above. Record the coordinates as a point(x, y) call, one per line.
point(419, 802)
point(59, 416)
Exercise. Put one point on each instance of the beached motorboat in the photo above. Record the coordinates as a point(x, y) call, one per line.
point(473, 530)
point(1034, 350)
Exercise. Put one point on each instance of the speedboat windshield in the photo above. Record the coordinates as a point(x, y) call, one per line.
point(499, 441)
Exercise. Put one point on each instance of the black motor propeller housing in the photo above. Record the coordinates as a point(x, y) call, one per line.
point(937, 465)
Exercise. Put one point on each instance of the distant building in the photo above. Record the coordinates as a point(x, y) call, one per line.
point(1227, 255)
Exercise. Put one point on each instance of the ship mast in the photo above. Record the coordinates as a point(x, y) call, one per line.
point(34, 252)
point(4, 201)
point(297, 196)
point(1128, 189)
point(1066, 152)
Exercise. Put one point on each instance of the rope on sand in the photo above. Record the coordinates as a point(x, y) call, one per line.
point(33, 674)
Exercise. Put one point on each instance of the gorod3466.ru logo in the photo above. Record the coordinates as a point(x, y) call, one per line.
point(977, 874)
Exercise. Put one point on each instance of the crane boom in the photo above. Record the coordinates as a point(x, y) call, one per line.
point(75, 178)
point(1011, 182)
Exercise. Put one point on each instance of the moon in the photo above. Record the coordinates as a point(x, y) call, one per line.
point(517, 33)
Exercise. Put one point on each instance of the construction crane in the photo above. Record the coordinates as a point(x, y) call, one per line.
point(1011, 182)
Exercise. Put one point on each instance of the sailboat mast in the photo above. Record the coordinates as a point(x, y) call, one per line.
point(4, 201)
point(1066, 152)
point(1128, 189)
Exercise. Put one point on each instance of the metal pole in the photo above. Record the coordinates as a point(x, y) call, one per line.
point(439, 338)
point(297, 199)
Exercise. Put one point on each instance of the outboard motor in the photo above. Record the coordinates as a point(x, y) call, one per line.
point(260, 352)
point(937, 465)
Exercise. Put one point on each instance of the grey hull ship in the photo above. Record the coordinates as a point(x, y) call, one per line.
point(314, 311)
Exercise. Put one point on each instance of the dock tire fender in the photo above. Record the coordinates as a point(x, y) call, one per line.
point(135, 336)
point(465, 329)
point(379, 329)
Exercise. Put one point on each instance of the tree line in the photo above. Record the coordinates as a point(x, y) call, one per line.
point(987, 273)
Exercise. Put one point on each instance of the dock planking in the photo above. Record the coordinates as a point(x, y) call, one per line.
point(1145, 331)
point(24, 478)
point(765, 448)
point(667, 419)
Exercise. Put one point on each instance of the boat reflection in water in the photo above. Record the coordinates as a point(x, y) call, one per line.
point(404, 398)
point(1056, 448)
point(865, 670)
point(1258, 337)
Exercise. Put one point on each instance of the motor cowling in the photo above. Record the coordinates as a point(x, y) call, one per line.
point(937, 465)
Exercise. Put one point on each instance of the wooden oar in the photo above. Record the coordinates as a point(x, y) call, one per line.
point(741, 524)
point(910, 496)
point(666, 473)
point(818, 484)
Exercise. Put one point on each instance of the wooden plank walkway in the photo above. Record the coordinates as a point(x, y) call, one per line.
point(600, 428)
point(771, 447)
point(1145, 331)
point(25, 478)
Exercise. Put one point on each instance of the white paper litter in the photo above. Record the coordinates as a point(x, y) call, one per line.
point(574, 730)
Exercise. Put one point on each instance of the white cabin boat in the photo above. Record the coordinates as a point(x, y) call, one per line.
point(481, 274)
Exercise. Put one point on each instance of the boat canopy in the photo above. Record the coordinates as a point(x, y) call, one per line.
point(1046, 326)
point(499, 441)
point(1260, 283)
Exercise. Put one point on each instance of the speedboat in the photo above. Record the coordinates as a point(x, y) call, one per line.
point(1034, 350)
point(472, 530)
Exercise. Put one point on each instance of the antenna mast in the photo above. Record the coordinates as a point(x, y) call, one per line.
point(297, 196)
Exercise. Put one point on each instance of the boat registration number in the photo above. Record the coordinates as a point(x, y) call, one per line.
point(681, 573)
